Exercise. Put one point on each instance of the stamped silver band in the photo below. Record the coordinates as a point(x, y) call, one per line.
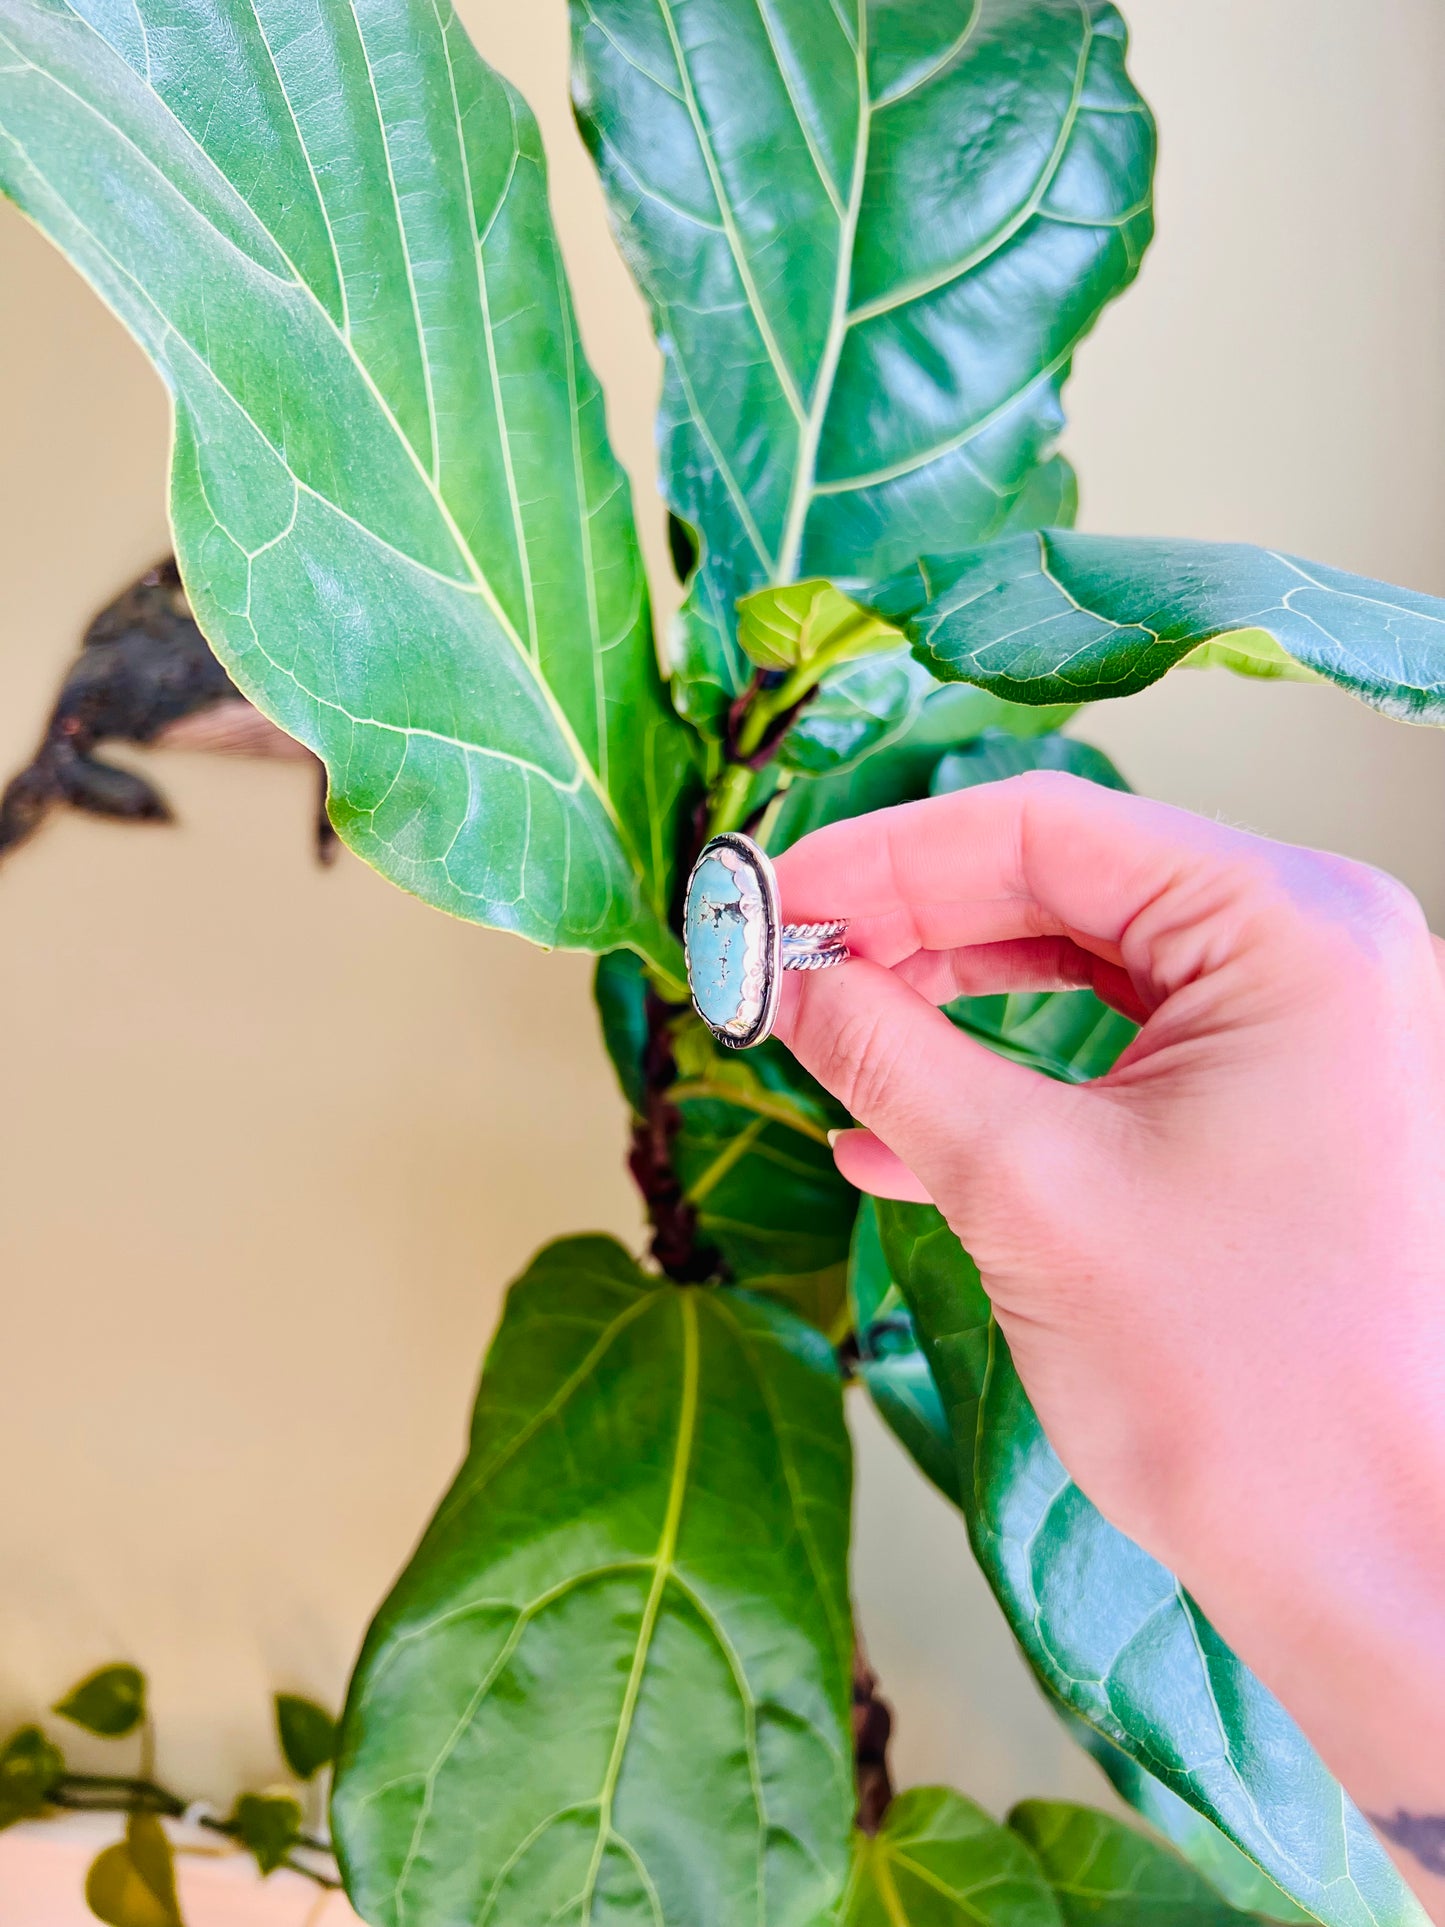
point(813, 946)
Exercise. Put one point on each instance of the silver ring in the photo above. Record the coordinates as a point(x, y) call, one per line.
point(737, 945)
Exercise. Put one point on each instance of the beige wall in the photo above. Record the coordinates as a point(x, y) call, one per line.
point(272, 1139)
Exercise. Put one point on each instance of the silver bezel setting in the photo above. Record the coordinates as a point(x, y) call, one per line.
point(762, 947)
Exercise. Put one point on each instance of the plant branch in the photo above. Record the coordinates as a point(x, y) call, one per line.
point(115, 1793)
point(872, 1728)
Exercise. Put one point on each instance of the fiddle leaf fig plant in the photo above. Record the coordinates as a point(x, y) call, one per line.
point(618, 1680)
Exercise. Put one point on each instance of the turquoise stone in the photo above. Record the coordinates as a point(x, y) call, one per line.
point(726, 931)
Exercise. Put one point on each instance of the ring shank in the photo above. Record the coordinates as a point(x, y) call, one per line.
point(812, 946)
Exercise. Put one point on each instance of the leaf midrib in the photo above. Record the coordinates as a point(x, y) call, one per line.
point(806, 489)
point(664, 1561)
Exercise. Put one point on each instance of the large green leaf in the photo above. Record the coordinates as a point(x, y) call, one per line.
point(396, 512)
point(612, 1684)
point(1060, 617)
point(1111, 1634)
point(872, 237)
point(940, 1861)
point(1106, 1874)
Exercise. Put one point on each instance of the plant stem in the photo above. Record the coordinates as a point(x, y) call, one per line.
point(115, 1793)
point(872, 1728)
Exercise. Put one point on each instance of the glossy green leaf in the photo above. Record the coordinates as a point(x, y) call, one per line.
point(110, 1701)
point(395, 509)
point(266, 1824)
point(872, 237)
point(613, 1682)
point(307, 1733)
point(891, 1362)
point(997, 754)
point(755, 1164)
point(619, 990)
point(1059, 617)
point(1107, 1874)
point(29, 1767)
point(856, 711)
point(940, 1861)
point(899, 770)
point(1226, 1869)
point(1111, 1634)
point(133, 1883)
point(1068, 1034)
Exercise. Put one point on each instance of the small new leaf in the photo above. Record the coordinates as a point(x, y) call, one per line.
point(110, 1702)
point(1250, 652)
point(29, 1768)
point(809, 625)
point(307, 1733)
point(266, 1824)
point(133, 1883)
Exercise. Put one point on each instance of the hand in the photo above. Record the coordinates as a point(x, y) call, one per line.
point(1221, 1268)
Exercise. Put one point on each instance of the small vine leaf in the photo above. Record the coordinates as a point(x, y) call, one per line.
point(872, 238)
point(1062, 617)
point(266, 1824)
point(397, 514)
point(133, 1883)
point(1107, 1874)
point(110, 1701)
point(613, 1682)
point(30, 1765)
point(307, 1733)
point(1111, 1634)
point(940, 1861)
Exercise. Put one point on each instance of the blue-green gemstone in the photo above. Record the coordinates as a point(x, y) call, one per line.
point(724, 915)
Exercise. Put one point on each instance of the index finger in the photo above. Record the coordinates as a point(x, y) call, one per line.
point(1044, 854)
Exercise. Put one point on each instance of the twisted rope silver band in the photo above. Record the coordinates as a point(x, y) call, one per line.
point(813, 946)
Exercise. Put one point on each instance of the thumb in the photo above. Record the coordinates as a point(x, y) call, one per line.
point(956, 1114)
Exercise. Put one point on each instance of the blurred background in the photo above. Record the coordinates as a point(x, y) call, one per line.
point(274, 1139)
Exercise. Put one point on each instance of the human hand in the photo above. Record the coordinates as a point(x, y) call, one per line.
point(1221, 1268)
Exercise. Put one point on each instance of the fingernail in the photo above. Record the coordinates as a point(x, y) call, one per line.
point(833, 1137)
